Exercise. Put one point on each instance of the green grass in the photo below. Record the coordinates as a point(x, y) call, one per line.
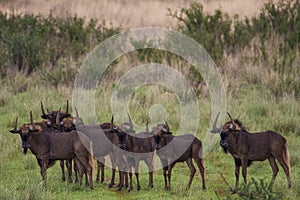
point(20, 176)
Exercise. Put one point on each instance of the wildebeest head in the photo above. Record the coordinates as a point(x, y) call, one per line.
point(122, 130)
point(52, 115)
point(228, 130)
point(158, 131)
point(69, 123)
point(25, 131)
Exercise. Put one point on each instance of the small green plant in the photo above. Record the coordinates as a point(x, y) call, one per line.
point(254, 190)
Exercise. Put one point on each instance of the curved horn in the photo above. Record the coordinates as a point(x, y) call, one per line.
point(76, 111)
point(130, 121)
point(16, 124)
point(215, 128)
point(31, 121)
point(112, 122)
point(147, 126)
point(47, 110)
point(167, 126)
point(42, 107)
point(230, 117)
point(67, 109)
point(57, 118)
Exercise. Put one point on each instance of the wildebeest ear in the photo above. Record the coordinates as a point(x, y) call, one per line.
point(231, 127)
point(164, 130)
point(33, 129)
point(15, 131)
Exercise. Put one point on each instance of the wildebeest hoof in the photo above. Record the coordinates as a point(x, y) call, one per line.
point(138, 187)
point(203, 188)
point(233, 191)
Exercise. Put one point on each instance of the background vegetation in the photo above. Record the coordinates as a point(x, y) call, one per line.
point(258, 58)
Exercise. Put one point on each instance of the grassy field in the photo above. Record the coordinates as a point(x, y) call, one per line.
point(20, 177)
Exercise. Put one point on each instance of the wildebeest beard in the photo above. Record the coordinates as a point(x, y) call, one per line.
point(225, 149)
point(25, 150)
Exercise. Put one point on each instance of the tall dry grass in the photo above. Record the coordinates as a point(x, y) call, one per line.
point(127, 13)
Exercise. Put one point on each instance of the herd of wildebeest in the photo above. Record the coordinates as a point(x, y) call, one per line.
point(57, 137)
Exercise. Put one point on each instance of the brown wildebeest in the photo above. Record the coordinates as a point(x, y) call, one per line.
point(172, 149)
point(48, 147)
point(139, 147)
point(246, 147)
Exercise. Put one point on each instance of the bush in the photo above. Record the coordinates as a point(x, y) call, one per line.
point(33, 43)
point(271, 40)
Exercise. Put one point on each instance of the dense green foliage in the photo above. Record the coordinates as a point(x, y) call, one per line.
point(34, 43)
point(271, 40)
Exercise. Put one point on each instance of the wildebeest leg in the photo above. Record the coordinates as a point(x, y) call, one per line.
point(189, 162)
point(102, 172)
point(126, 179)
point(80, 170)
point(86, 179)
point(69, 167)
point(170, 167)
point(113, 173)
point(136, 170)
point(120, 186)
point(244, 169)
point(44, 165)
point(285, 166)
point(150, 168)
point(100, 169)
point(165, 169)
point(112, 180)
point(200, 163)
point(76, 172)
point(130, 174)
point(62, 165)
point(164, 164)
point(237, 173)
point(275, 170)
point(88, 169)
point(130, 181)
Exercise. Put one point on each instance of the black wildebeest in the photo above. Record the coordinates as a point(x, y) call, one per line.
point(172, 149)
point(246, 147)
point(139, 147)
point(52, 120)
point(106, 143)
point(48, 147)
point(69, 124)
